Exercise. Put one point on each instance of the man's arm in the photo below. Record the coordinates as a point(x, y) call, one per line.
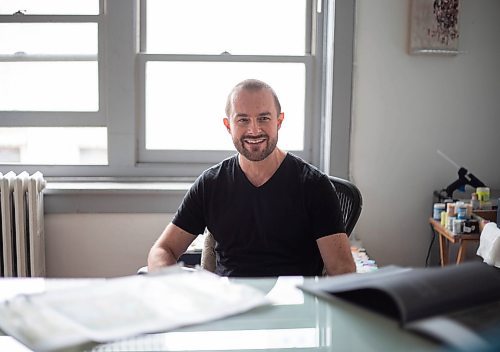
point(336, 254)
point(171, 244)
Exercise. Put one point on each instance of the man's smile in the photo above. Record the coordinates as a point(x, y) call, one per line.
point(254, 140)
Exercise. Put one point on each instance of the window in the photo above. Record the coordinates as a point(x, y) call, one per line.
point(190, 62)
point(49, 96)
point(138, 87)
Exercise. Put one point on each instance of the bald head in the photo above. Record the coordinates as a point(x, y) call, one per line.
point(250, 85)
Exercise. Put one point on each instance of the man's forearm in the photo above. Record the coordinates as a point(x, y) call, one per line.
point(160, 257)
point(343, 267)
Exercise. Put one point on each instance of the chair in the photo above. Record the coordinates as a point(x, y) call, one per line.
point(351, 203)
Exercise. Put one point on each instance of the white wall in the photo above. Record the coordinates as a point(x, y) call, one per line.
point(405, 107)
point(100, 245)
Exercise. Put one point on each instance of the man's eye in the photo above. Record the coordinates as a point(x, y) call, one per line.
point(242, 120)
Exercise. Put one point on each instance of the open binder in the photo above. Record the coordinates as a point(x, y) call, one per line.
point(458, 305)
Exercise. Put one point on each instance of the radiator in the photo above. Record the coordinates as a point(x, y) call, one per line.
point(22, 243)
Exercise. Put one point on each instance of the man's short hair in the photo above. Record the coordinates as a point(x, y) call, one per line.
point(252, 85)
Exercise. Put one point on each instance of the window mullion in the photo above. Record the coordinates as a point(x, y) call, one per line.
point(224, 58)
point(120, 42)
point(49, 18)
point(44, 57)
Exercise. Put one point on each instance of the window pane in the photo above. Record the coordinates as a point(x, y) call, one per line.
point(49, 86)
point(48, 38)
point(54, 145)
point(50, 7)
point(243, 27)
point(185, 102)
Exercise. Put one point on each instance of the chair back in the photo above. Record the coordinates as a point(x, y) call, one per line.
point(351, 201)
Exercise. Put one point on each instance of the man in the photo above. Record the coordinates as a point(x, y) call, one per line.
point(270, 213)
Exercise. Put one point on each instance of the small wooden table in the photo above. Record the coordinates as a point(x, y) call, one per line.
point(446, 237)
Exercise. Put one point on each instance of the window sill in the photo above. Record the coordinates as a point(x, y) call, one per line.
point(114, 196)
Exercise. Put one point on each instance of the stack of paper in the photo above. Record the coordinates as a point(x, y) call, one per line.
point(123, 307)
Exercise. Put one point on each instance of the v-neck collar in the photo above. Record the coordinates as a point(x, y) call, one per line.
point(274, 175)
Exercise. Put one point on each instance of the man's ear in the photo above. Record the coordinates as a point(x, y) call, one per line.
point(281, 117)
point(227, 124)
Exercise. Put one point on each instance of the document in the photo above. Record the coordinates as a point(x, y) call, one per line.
point(123, 307)
point(458, 305)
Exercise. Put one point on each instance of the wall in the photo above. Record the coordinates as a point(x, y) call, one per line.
point(405, 107)
point(100, 245)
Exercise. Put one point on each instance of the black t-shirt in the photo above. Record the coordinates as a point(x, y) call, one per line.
point(269, 230)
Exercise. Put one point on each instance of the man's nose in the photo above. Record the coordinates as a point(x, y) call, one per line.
point(254, 127)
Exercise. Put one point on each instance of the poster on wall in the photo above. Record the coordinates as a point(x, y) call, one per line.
point(434, 27)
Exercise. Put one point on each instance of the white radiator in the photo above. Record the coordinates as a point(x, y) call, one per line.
point(22, 243)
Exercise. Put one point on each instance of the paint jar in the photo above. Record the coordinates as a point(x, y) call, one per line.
point(474, 201)
point(462, 212)
point(469, 210)
point(457, 226)
point(438, 208)
point(450, 221)
point(450, 209)
point(444, 217)
point(483, 194)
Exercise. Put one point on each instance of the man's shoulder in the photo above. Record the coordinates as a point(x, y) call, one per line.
point(306, 170)
point(223, 168)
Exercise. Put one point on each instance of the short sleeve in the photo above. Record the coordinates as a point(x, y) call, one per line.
point(189, 216)
point(324, 208)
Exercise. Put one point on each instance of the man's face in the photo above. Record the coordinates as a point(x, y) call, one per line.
point(254, 123)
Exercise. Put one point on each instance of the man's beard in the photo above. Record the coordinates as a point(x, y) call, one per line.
point(259, 154)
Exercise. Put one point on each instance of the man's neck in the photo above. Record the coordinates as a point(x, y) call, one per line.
point(259, 172)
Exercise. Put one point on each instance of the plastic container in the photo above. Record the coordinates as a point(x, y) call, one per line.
point(462, 212)
point(474, 202)
point(438, 208)
point(483, 194)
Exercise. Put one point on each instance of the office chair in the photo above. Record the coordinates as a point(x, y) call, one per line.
point(351, 203)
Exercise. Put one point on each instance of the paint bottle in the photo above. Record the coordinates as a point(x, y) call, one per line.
point(450, 209)
point(449, 225)
point(438, 208)
point(457, 226)
point(444, 218)
point(483, 194)
point(474, 202)
point(462, 212)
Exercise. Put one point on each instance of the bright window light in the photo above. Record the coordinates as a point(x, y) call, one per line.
point(50, 7)
point(243, 27)
point(48, 38)
point(53, 145)
point(185, 102)
point(49, 86)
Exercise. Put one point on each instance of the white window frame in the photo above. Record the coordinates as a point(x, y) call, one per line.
point(122, 101)
point(58, 118)
point(311, 113)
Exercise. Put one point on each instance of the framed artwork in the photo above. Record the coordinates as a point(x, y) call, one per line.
point(434, 27)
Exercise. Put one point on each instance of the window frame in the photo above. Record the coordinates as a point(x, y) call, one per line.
point(97, 118)
point(309, 59)
point(122, 100)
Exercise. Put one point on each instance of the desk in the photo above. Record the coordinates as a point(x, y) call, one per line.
point(446, 237)
point(295, 320)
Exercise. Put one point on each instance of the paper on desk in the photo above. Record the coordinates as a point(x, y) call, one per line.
point(123, 307)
